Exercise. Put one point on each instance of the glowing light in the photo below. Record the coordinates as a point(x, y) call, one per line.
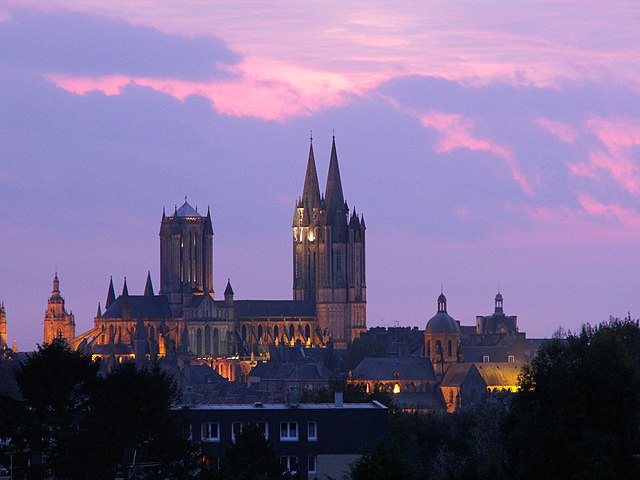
point(396, 388)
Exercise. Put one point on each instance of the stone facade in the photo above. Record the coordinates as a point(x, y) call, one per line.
point(185, 319)
point(57, 322)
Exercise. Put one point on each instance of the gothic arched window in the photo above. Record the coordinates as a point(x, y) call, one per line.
point(244, 333)
point(207, 340)
point(291, 332)
point(199, 341)
point(307, 332)
point(216, 341)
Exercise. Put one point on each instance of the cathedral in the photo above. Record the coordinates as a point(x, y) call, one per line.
point(184, 318)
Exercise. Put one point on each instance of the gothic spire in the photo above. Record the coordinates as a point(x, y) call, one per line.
point(208, 229)
point(148, 288)
point(56, 284)
point(311, 192)
point(125, 290)
point(99, 312)
point(111, 295)
point(228, 290)
point(334, 196)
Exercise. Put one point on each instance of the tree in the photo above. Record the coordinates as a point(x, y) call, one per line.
point(132, 414)
point(577, 414)
point(56, 385)
point(353, 392)
point(252, 457)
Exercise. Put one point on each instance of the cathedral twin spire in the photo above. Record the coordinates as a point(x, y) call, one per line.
point(333, 200)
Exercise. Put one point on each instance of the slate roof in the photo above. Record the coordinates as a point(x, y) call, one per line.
point(455, 374)
point(492, 373)
point(498, 374)
point(274, 308)
point(156, 306)
point(308, 371)
point(405, 368)
point(187, 210)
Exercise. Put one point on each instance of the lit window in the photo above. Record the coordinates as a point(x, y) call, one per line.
point(311, 464)
point(236, 429)
point(289, 431)
point(312, 431)
point(396, 388)
point(210, 432)
point(512, 359)
point(264, 429)
point(290, 463)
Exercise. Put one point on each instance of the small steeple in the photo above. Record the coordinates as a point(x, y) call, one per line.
point(228, 290)
point(56, 284)
point(498, 303)
point(125, 290)
point(99, 312)
point(111, 295)
point(208, 228)
point(311, 191)
point(148, 288)
point(442, 303)
point(333, 194)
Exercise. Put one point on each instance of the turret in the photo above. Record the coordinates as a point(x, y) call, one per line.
point(228, 293)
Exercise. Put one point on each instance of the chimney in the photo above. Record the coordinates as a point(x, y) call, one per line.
point(339, 396)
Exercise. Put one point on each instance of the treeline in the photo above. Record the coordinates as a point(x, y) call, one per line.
point(72, 423)
point(576, 416)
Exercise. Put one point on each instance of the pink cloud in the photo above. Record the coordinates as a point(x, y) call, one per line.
point(456, 133)
point(612, 211)
point(565, 132)
point(619, 137)
point(261, 88)
point(471, 44)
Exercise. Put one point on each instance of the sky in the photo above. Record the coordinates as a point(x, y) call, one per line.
point(490, 145)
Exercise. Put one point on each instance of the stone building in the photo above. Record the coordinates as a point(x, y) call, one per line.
point(185, 319)
point(4, 339)
point(57, 322)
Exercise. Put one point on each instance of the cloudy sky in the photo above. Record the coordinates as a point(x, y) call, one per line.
point(491, 145)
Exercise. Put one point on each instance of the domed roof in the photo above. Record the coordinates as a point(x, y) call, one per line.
point(499, 297)
point(442, 322)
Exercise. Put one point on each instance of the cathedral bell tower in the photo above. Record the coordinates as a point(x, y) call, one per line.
point(329, 255)
point(57, 322)
point(186, 255)
point(4, 341)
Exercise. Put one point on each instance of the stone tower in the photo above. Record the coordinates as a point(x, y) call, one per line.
point(4, 340)
point(57, 322)
point(329, 255)
point(186, 254)
point(442, 338)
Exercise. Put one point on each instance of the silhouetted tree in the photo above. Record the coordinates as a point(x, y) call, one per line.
point(578, 414)
point(252, 457)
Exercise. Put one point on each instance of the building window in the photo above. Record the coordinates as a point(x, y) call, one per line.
point(289, 462)
point(210, 432)
point(396, 388)
point(485, 359)
point(289, 431)
point(264, 429)
point(312, 431)
point(311, 464)
point(449, 349)
point(236, 429)
point(512, 359)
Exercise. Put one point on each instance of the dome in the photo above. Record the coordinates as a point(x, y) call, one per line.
point(442, 323)
point(499, 297)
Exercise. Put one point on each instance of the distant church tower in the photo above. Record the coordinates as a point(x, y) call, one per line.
point(186, 254)
point(57, 322)
point(4, 340)
point(329, 255)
